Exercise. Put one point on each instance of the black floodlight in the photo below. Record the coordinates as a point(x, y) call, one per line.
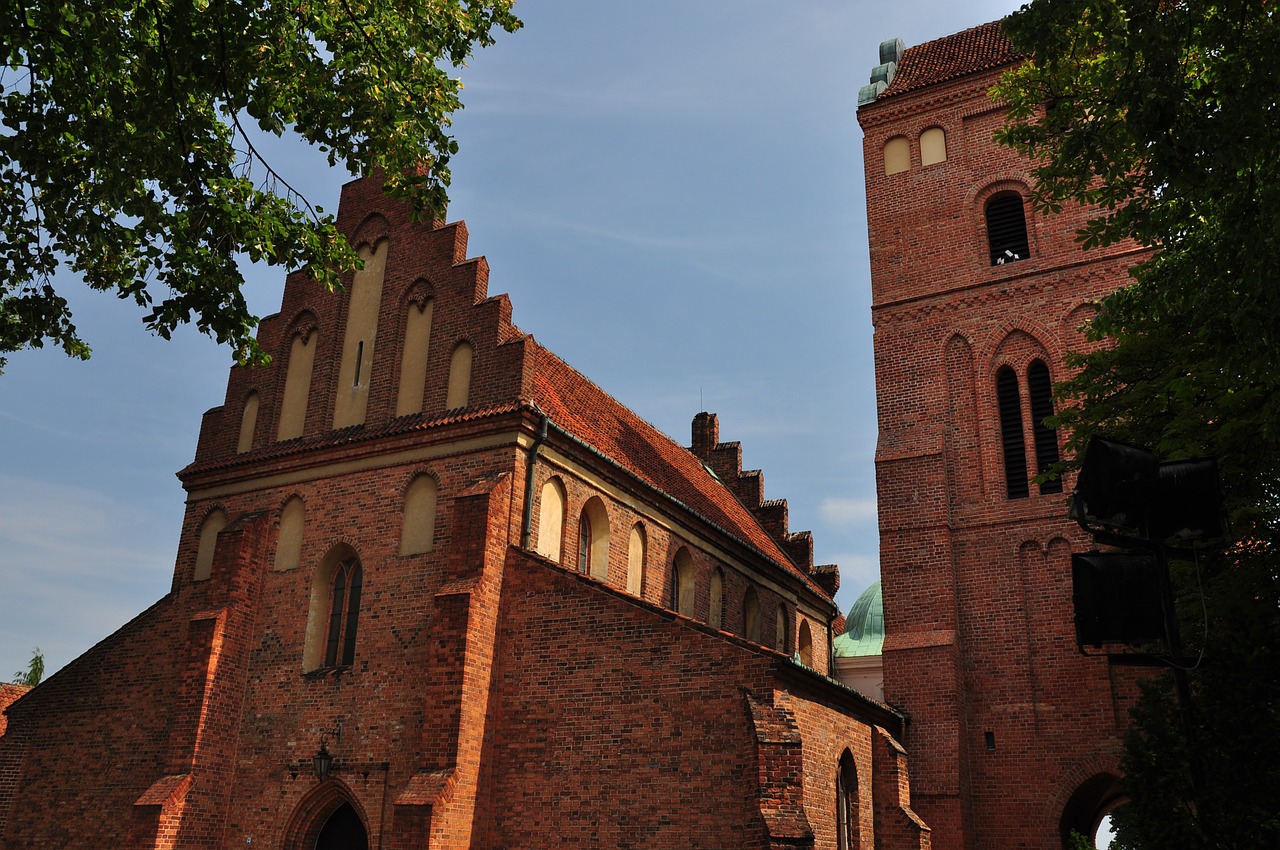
point(1117, 599)
point(1115, 486)
point(1188, 507)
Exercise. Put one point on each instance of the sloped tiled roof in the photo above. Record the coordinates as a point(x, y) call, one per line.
point(584, 410)
point(952, 57)
point(9, 694)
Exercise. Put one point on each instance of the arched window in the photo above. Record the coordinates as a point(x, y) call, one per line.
point(355, 370)
point(751, 615)
point(459, 377)
point(289, 541)
point(1040, 392)
point(683, 583)
point(1007, 228)
point(805, 644)
point(933, 146)
point(636, 551)
point(334, 612)
point(344, 614)
point(209, 530)
point(847, 832)
point(897, 155)
point(1015, 458)
point(297, 386)
point(780, 636)
point(413, 359)
point(593, 539)
point(248, 423)
point(418, 528)
point(551, 519)
point(715, 607)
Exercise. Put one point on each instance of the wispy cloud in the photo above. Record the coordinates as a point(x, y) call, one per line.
point(843, 511)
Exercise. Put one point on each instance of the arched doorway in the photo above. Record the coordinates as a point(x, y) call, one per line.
point(343, 831)
point(1092, 801)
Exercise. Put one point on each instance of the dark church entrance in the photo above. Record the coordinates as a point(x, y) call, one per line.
point(343, 831)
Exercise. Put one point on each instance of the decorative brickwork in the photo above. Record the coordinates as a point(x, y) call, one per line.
point(976, 575)
point(492, 697)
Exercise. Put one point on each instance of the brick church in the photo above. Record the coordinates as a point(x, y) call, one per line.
point(435, 588)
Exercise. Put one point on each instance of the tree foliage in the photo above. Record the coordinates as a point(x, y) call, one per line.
point(1164, 115)
point(34, 672)
point(127, 144)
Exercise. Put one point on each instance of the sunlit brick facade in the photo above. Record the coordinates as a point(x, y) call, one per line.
point(977, 298)
point(423, 542)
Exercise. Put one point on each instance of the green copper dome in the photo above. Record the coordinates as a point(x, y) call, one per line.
point(864, 627)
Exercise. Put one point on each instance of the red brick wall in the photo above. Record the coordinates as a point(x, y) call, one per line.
point(976, 585)
point(620, 725)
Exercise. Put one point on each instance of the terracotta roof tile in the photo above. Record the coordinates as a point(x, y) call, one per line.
point(952, 57)
point(587, 412)
point(9, 693)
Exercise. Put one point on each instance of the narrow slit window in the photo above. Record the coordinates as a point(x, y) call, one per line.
point(1015, 458)
point(584, 544)
point(1040, 390)
point(355, 381)
point(1007, 229)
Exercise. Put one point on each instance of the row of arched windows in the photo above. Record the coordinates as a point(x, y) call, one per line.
point(897, 151)
point(356, 366)
point(592, 558)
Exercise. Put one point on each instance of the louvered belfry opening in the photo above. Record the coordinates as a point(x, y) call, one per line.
point(1040, 390)
point(1015, 458)
point(1007, 228)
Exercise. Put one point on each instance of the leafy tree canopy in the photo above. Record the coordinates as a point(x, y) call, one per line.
point(1164, 114)
point(124, 151)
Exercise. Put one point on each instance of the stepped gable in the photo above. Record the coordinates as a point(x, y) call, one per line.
point(423, 261)
point(589, 413)
point(952, 57)
point(725, 461)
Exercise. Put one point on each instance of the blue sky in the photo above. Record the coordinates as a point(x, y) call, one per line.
point(672, 195)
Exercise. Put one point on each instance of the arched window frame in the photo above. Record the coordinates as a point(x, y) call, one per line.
point(637, 553)
point(293, 514)
point(345, 589)
point(552, 505)
point(210, 527)
point(248, 422)
point(1044, 438)
point(593, 539)
point(804, 643)
point(933, 146)
point(418, 517)
point(417, 311)
point(683, 583)
point(461, 364)
point(1008, 236)
point(715, 600)
point(848, 834)
point(1012, 440)
point(897, 155)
